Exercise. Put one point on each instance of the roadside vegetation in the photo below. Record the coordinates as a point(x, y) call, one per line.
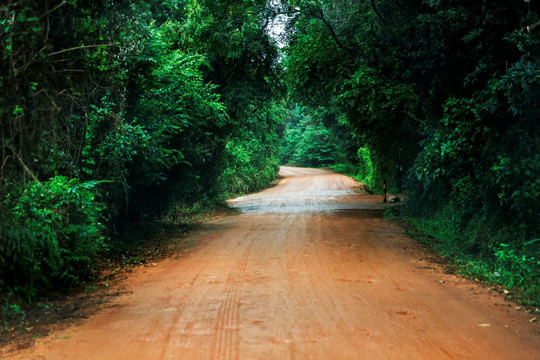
point(118, 114)
point(443, 98)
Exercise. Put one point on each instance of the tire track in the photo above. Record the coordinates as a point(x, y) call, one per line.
point(227, 340)
point(305, 274)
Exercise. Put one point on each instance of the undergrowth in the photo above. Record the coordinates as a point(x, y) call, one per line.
point(502, 257)
point(140, 244)
point(368, 172)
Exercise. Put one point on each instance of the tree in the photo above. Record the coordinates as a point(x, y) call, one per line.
point(315, 138)
point(242, 61)
point(128, 106)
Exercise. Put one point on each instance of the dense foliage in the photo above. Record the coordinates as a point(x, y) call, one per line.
point(315, 138)
point(112, 111)
point(445, 92)
point(50, 235)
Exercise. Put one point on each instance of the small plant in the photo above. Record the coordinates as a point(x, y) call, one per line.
point(90, 289)
point(10, 313)
point(512, 269)
point(13, 311)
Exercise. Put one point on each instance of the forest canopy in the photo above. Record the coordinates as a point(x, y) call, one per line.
point(115, 111)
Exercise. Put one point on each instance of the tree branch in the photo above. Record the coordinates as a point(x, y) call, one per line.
point(80, 48)
point(377, 11)
point(531, 28)
point(32, 60)
point(26, 169)
point(53, 9)
point(333, 33)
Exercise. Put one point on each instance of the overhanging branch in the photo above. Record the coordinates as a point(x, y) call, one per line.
point(333, 33)
point(53, 9)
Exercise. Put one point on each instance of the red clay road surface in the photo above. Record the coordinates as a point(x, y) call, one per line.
point(307, 270)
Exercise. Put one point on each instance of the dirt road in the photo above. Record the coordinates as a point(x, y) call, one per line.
point(308, 270)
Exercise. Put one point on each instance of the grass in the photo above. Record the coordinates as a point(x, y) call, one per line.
point(478, 253)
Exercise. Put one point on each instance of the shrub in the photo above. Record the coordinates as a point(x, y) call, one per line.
point(50, 237)
point(513, 269)
point(366, 170)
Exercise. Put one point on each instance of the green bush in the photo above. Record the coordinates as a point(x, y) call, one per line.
point(249, 166)
point(347, 169)
point(366, 171)
point(50, 237)
point(513, 269)
point(510, 268)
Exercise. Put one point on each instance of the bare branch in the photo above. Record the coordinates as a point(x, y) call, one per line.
point(80, 48)
point(53, 9)
point(69, 70)
point(26, 169)
point(33, 58)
